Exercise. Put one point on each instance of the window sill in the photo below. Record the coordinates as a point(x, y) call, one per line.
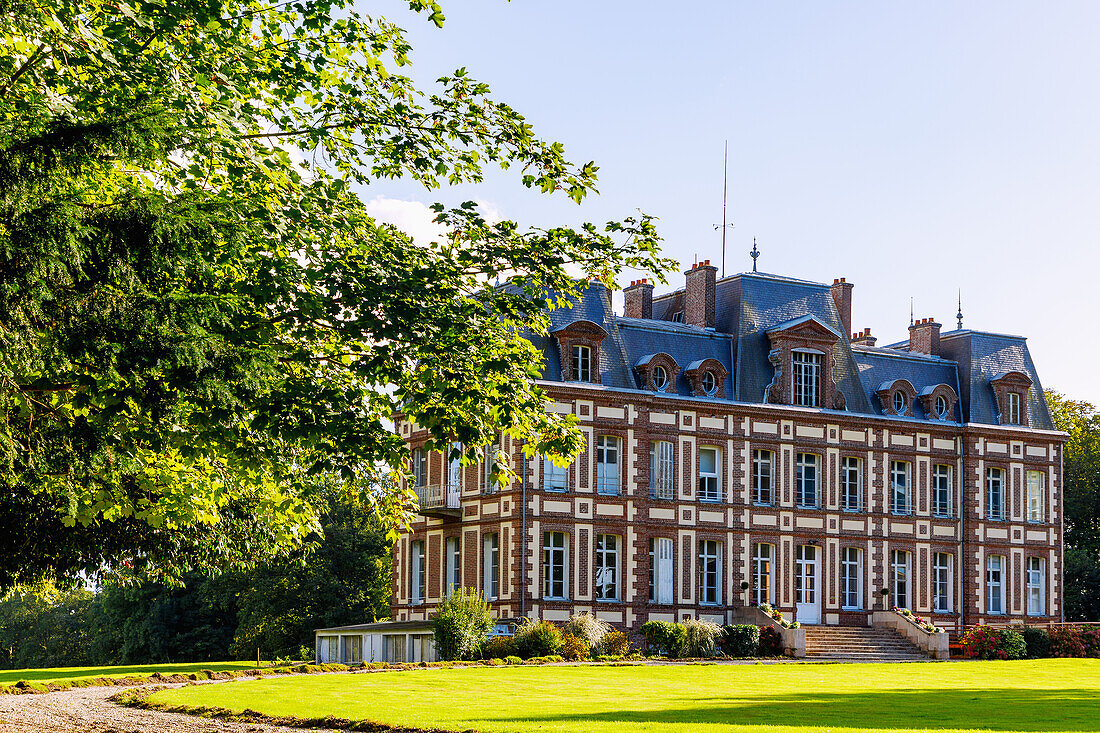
point(852, 511)
point(995, 519)
point(608, 493)
point(807, 506)
point(763, 504)
point(553, 490)
point(901, 513)
point(555, 599)
point(942, 515)
point(710, 501)
point(609, 600)
point(850, 608)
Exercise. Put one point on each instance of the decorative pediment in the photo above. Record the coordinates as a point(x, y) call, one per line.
point(806, 327)
point(1009, 387)
point(707, 378)
point(585, 334)
point(1012, 378)
point(807, 334)
point(581, 328)
point(939, 401)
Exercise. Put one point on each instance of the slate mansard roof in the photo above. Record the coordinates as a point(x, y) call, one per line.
point(748, 305)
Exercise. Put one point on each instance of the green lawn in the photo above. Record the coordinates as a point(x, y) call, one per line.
point(68, 674)
point(1040, 695)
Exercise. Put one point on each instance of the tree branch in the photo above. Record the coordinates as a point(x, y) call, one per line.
point(38, 54)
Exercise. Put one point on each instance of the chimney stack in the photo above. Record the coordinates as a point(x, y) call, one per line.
point(863, 338)
point(699, 294)
point(924, 337)
point(639, 299)
point(842, 296)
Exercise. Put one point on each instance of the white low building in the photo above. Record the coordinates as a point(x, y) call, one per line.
point(384, 641)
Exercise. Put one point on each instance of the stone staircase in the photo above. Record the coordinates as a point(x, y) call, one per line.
point(859, 644)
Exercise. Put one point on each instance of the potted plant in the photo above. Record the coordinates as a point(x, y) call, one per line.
point(745, 587)
point(884, 592)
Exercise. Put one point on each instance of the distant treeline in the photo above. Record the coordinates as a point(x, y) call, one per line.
point(274, 608)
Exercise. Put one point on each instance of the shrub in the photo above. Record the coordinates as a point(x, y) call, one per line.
point(986, 642)
point(771, 642)
point(537, 639)
point(701, 638)
point(615, 644)
point(740, 640)
point(1066, 642)
point(574, 648)
point(588, 627)
point(1037, 642)
point(498, 647)
point(664, 637)
point(461, 624)
point(513, 660)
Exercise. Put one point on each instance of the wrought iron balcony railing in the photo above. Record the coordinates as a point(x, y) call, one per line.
point(439, 498)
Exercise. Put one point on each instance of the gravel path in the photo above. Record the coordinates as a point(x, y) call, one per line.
point(87, 710)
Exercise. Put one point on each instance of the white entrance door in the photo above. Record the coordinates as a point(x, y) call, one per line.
point(664, 570)
point(807, 595)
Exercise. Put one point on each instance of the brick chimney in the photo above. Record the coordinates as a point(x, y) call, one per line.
point(924, 337)
point(863, 338)
point(699, 294)
point(842, 296)
point(639, 299)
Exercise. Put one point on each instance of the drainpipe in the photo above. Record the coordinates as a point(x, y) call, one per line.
point(523, 541)
point(962, 564)
point(1062, 533)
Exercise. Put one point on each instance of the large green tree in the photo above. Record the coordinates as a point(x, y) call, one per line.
point(200, 325)
point(1081, 477)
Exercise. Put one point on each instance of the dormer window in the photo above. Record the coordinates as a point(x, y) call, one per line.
point(899, 402)
point(582, 363)
point(710, 384)
point(706, 377)
point(941, 406)
point(938, 401)
point(896, 397)
point(806, 378)
point(660, 378)
point(1014, 408)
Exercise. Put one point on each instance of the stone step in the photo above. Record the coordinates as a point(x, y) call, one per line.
point(859, 644)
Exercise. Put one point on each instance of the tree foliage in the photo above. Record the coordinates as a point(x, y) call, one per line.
point(201, 327)
point(1081, 477)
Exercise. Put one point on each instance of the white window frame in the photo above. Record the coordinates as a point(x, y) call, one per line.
point(942, 490)
point(1035, 579)
point(419, 461)
point(763, 477)
point(660, 378)
point(709, 383)
point(851, 579)
point(555, 566)
point(763, 565)
point(554, 477)
point(806, 377)
point(899, 402)
point(901, 487)
point(452, 567)
point(851, 484)
point(901, 586)
point(488, 485)
point(1014, 408)
point(942, 571)
point(710, 482)
point(607, 567)
point(418, 572)
point(490, 568)
point(608, 452)
point(662, 470)
point(995, 486)
point(1036, 490)
point(807, 479)
point(582, 363)
point(941, 407)
point(995, 585)
point(656, 577)
point(710, 573)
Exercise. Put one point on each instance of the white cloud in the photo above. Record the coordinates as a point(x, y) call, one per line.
point(412, 217)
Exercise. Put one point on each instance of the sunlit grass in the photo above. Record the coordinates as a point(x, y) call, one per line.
point(70, 674)
point(1040, 695)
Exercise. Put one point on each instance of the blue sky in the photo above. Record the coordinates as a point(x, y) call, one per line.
point(912, 148)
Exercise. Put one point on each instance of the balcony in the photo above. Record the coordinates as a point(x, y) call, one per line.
point(440, 500)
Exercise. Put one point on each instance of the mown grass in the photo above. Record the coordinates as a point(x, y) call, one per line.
point(1016, 697)
point(68, 675)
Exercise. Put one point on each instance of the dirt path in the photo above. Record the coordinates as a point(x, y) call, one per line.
point(87, 710)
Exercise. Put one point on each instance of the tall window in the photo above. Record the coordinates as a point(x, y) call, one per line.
point(661, 470)
point(994, 584)
point(553, 565)
point(994, 493)
point(607, 465)
point(419, 465)
point(607, 567)
point(582, 363)
point(762, 462)
point(941, 490)
point(660, 570)
point(899, 487)
point(452, 567)
point(762, 555)
point(710, 463)
point(710, 572)
point(851, 484)
point(899, 578)
point(1035, 490)
point(417, 571)
point(806, 480)
point(806, 379)
point(941, 582)
point(490, 562)
point(850, 578)
point(1036, 587)
point(554, 478)
point(488, 484)
point(1014, 408)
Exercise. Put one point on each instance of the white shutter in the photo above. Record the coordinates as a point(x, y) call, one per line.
point(664, 570)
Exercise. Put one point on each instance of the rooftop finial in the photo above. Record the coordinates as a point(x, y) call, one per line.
point(959, 315)
point(754, 254)
point(911, 310)
point(725, 224)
